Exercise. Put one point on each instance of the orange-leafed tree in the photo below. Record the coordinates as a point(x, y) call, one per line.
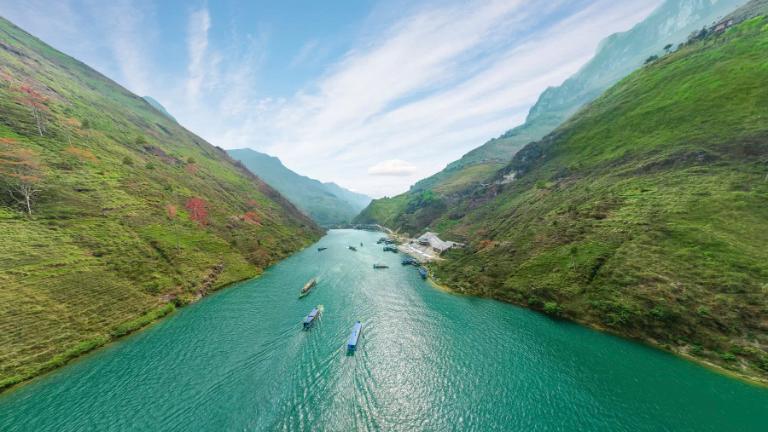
point(36, 102)
point(20, 173)
point(252, 218)
point(170, 211)
point(198, 211)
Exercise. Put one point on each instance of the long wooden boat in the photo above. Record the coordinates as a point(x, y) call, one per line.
point(308, 287)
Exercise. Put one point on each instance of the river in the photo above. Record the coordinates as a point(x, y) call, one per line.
point(427, 361)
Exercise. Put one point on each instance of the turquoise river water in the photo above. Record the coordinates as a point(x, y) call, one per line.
point(427, 361)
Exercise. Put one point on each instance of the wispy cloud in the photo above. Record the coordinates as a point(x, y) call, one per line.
point(432, 86)
point(197, 45)
point(392, 168)
point(424, 85)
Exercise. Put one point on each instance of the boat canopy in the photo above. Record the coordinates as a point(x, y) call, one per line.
point(311, 316)
point(355, 335)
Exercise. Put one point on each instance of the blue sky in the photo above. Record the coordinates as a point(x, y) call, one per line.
point(373, 95)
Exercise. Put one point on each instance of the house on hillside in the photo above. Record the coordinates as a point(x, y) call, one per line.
point(431, 240)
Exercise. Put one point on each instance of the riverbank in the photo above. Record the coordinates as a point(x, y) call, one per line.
point(121, 331)
point(406, 246)
point(734, 374)
point(240, 361)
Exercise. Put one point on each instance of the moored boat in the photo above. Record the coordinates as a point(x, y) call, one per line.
point(423, 272)
point(380, 266)
point(409, 261)
point(313, 316)
point(354, 337)
point(308, 287)
point(352, 248)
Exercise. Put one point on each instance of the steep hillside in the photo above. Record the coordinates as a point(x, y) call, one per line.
point(129, 213)
point(617, 56)
point(646, 213)
point(326, 203)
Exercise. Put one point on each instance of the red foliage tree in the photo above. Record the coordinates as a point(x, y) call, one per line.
point(36, 102)
point(20, 173)
point(197, 210)
point(252, 218)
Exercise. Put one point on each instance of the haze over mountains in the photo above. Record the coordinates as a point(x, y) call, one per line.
point(326, 203)
point(643, 213)
point(617, 56)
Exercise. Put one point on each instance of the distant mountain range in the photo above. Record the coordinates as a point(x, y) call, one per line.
point(617, 56)
point(326, 203)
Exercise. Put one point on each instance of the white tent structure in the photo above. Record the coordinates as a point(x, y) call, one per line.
point(432, 240)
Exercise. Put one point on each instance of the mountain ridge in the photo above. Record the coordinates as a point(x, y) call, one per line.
point(618, 55)
point(327, 203)
point(645, 213)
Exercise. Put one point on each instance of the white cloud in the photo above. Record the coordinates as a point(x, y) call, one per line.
point(197, 45)
point(392, 167)
point(433, 86)
point(427, 87)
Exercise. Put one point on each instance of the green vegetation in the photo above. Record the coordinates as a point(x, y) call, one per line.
point(618, 56)
point(110, 212)
point(326, 203)
point(646, 213)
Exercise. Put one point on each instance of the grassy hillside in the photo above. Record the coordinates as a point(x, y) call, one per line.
point(618, 55)
point(646, 213)
point(133, 214)
point(326, 203)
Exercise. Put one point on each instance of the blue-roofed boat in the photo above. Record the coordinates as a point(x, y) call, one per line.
point(354, 336)
point(423, 272)
point(390, 249)
point(310, 319)
point(408, 261)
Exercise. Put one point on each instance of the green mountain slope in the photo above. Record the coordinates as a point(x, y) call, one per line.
point(133, 214)
point(326, 203)
point(646, 213)
point(156, 105)
point(617, 56)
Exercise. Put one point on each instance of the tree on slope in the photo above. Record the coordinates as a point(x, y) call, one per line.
point(36, 102)
point(20, 173)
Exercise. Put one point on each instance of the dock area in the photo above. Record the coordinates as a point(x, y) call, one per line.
point(426, 248)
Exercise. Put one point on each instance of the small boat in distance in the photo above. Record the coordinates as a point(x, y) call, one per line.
point(354, 336)
point(320, 249)
point(352, 248)
point(313, 316)
point(308, 287)
point(380, 266)
point(423, 272)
